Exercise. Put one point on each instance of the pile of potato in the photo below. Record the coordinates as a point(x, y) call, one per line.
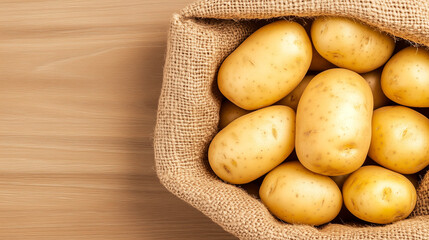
point(317, 96)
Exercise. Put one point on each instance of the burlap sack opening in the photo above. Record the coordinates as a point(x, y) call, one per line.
point(200, 37)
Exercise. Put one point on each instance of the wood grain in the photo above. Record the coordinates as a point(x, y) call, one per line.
point(79, 86)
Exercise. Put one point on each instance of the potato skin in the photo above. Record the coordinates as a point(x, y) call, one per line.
point(378, 195)
point(229, 112)
point(293, 97)
point(296, 195)
point(333, 122)
point(405, 78)
point(267, 66)
point(253, 144)
point(351, 44)
point(373, 78)
point(400, 139)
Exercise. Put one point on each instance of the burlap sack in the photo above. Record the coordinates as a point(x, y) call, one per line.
point(200, 37)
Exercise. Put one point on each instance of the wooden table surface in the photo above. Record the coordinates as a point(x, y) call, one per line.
point(79, 86)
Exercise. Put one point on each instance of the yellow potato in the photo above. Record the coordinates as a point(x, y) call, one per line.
point(333, 122)
point(351, 44)
point(400, 139)
point(378, 195)
point(373, 78)
point(253, 144)
point(405, 78)
point(267, 66)
point(297, 195)
point(292, 98)
point(229, 112)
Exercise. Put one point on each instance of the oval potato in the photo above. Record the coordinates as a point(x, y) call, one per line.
point(405, 78)
point(229, 112)
point(333, 122)
point(292, 98)
point(351, 44)
point(297, 195)
point(253, 144)
point(373, 78)
point(267, 66)
point(378, 195)
point(400, 139)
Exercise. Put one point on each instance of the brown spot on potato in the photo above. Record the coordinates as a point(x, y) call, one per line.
point(273, 187)
point(387, 194)
point(309, 132)
point(354, 205)
point(357, 106)
point(404, 133)
point(274, 133)
point(397, 97)
point(226, 168)
point(398, 216)
point(348, 147)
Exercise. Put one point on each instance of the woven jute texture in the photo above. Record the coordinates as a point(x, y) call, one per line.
point(200, 37)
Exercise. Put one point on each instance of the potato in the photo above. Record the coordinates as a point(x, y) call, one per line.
point(373, 78)
point(297, 195)
point(253, 144)
point(405, 78)
point(229, 112)
point(292, 98)
point(400, 139)
point(351, 44)
point(333, 122)
point(378, 195)
point(267, 66)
